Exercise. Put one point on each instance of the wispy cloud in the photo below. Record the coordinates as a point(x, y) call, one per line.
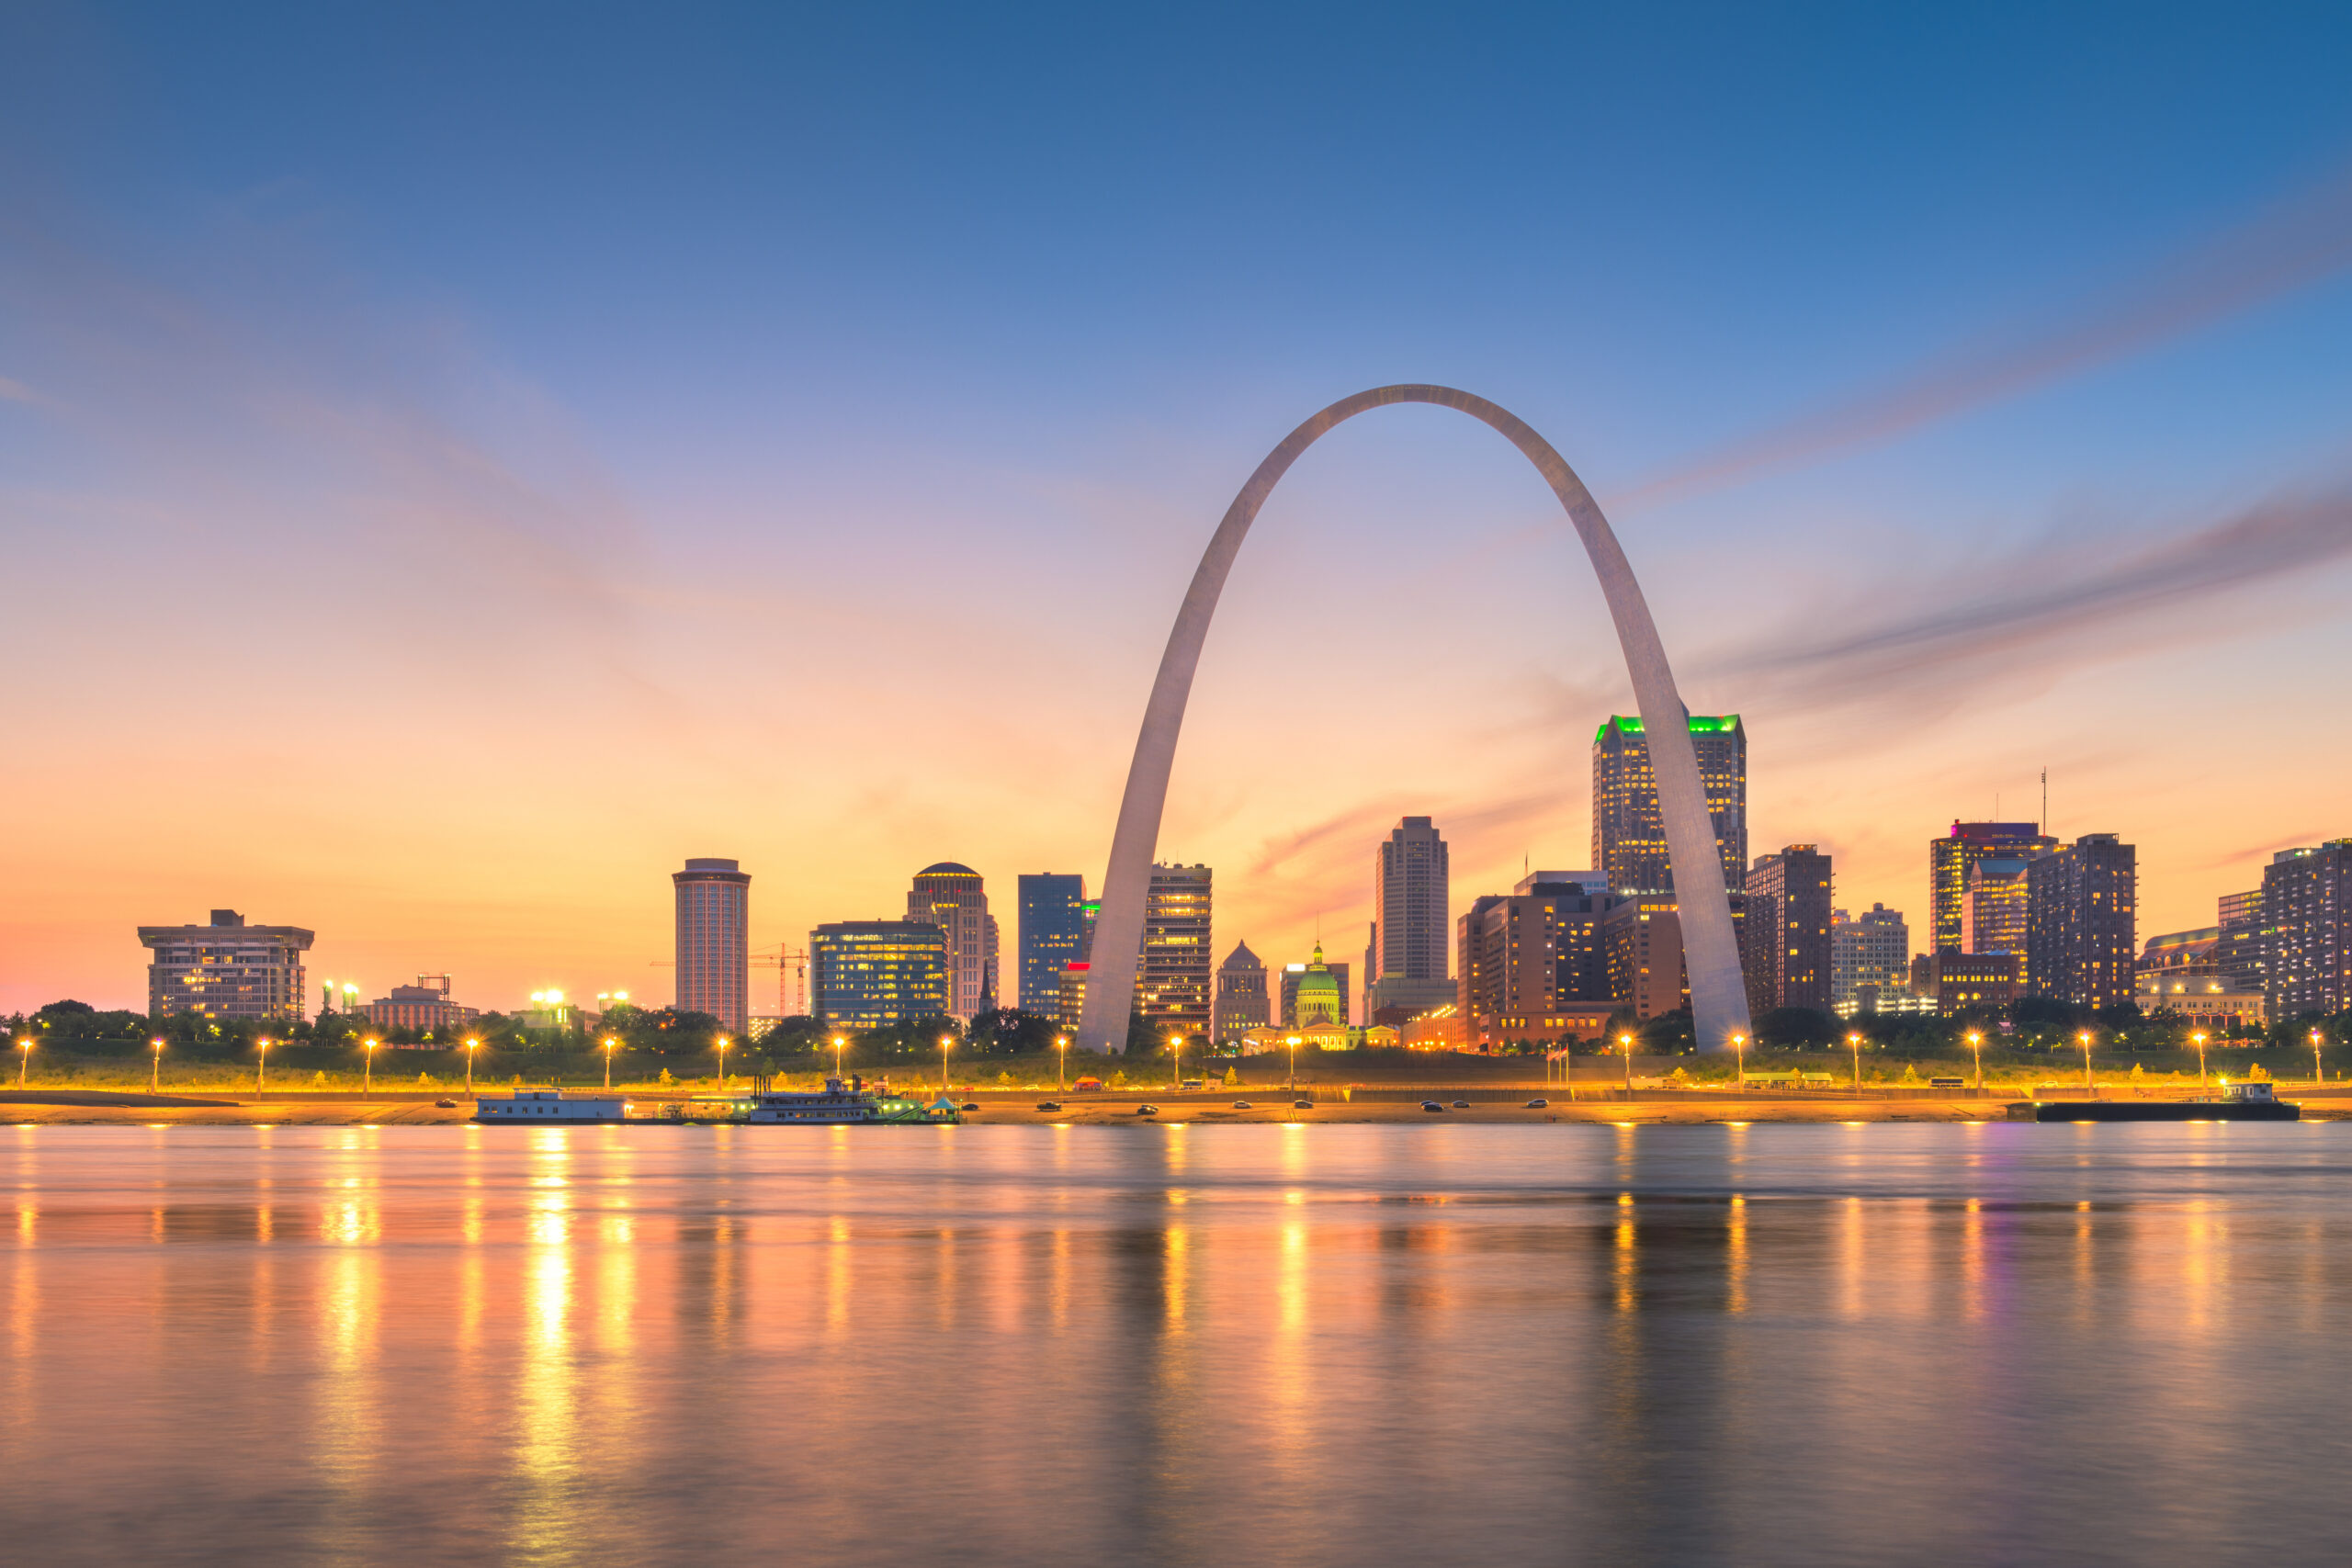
point(2294, 246)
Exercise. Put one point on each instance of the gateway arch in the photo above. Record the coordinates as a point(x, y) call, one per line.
point(1718, 993)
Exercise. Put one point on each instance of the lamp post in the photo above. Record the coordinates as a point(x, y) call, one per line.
point(473, 1045)
point(1739, 1050)
point(1854, 1044)
point(2319, 1074)
point(260, 1067)
point(1625, 1049)
point(838, 1043)
point(24, 1058)
point(1294, 1063)
point(2089, 1088)
point(723, 1043)
point(609, 1043)
point(368, 1080)
point(155, 1075)
point(1061, 1064)
point(1976, 1045)
point(1175, 1063)
point(947, 1042)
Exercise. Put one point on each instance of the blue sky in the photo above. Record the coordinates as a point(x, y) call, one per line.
point(816, 413)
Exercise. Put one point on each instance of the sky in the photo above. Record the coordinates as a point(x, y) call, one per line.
point(458, 461)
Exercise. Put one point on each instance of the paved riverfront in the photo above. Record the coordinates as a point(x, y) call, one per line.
point(1358, 1344)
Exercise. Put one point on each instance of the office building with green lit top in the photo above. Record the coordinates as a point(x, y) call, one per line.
point(1629, 834)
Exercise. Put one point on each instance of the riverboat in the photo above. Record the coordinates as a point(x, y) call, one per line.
point(2236, 1103)
point(838, 1104)
point(547, 1106)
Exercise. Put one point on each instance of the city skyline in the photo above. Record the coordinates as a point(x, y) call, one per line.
point(1934, 473)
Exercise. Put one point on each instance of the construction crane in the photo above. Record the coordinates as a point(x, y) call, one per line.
point(791, 965)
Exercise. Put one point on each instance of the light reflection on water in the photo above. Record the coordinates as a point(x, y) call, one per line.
point(1282, 1344)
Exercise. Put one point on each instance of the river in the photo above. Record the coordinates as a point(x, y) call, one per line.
point(1343, 1345)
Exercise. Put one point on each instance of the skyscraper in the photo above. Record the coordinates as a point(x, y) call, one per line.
point(2244, 950)
point(1994, 907)
point(226, 968)
point(950, 897)
point(1172, 980)
point(1873, 948)
point(1406, 961)
point(713, 941)
point(1533, 965)
point(2307, 914)
point(867, 973)
point(1240, 994)
point(1948, 859)
point(1053, 936)
point(1628, 833)
point(1788, 926)
point(2082, 922)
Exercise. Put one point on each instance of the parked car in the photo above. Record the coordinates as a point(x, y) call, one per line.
point(1241, 1105)
point(1461, 1105)
point(446, 1104)
point(969, 1105)
point(1302, 1105)
point(1146, 1110)
point(1431, 1105)
point(1538, 1103)
point(1048, 1105)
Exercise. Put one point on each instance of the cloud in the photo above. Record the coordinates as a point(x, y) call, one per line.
point(2025, 610)
point(18, 392)
point(2293, 246)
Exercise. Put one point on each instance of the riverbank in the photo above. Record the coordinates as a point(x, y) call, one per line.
point(85, 1107)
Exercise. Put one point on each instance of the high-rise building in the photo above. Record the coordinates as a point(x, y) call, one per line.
point(226, 968)
point(1873, 948)
point(2180, 973)
point(1994, 907)
point(1286, 1012)
point(1641, 939)
point(1053, 936)
point(950, 897)
point(1405, 964)
point(2307, 912)
point(1957, 980)
point(1629, 833)
point(1533, 965)
point(1948, 859)
point(1242, 1003)
point(1789, 895)
point(713, 941)
point(2243, 951)
point(868, 973)
point(2082, 922)
point(1174, 985)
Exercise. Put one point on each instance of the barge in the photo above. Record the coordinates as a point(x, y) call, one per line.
point(838, 1104)
point(2236, 1103)
point(548, 1107)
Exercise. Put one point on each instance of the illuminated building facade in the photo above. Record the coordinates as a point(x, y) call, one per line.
point(1173, 984)
point(714, 951)
point(951, 896)
point(226, 969)
point(1406, 963)
point(1788, 897)
point(2082, 922)
point(2180, 973)
point(1292, 974)
point(424, 1006)
point(1957, 980)
point(2243, 951)
point(1948, 859)
point(1532, 966)
point(1051, 935)
point(1241, 1000)
point(1873, 948)
point(1641, 945)
point(1994, 907)
point(1073, 994)
point(2306, 899)
point(868, 973)
point(1628, 832)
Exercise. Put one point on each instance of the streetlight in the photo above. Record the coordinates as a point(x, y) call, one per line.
point(473, 1045)
point(1294, 1063)
point(2319, 1074)
point(1176, 1062)
point(2089, 1088)
point(1061, 1064)
point(24, 1058)
point(155, 1076)
point(261, 1066)
point(1739, 1050)
point(946, 1041)
point(1625, 1049)
point(368, 1083)
point(1854, 1044)
point(839, 1040)
point(2200, 1038)
point(723, 1043)
point(609, 1043)
point(1976, 1044)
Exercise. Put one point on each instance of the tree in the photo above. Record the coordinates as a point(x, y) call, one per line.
point(1797, 1028)
point(1009, 1032)
point(2041, 1009)
point(1669, 1033)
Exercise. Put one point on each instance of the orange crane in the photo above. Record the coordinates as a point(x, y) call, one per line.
point(791, 965)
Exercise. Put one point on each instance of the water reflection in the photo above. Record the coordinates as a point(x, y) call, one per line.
point(1293, 1344)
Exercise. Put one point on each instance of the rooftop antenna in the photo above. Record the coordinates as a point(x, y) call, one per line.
point(2045, 823)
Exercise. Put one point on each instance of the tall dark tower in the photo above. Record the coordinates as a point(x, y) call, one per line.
point(713, 941)
point(1628, 832)
point(1406, 963)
